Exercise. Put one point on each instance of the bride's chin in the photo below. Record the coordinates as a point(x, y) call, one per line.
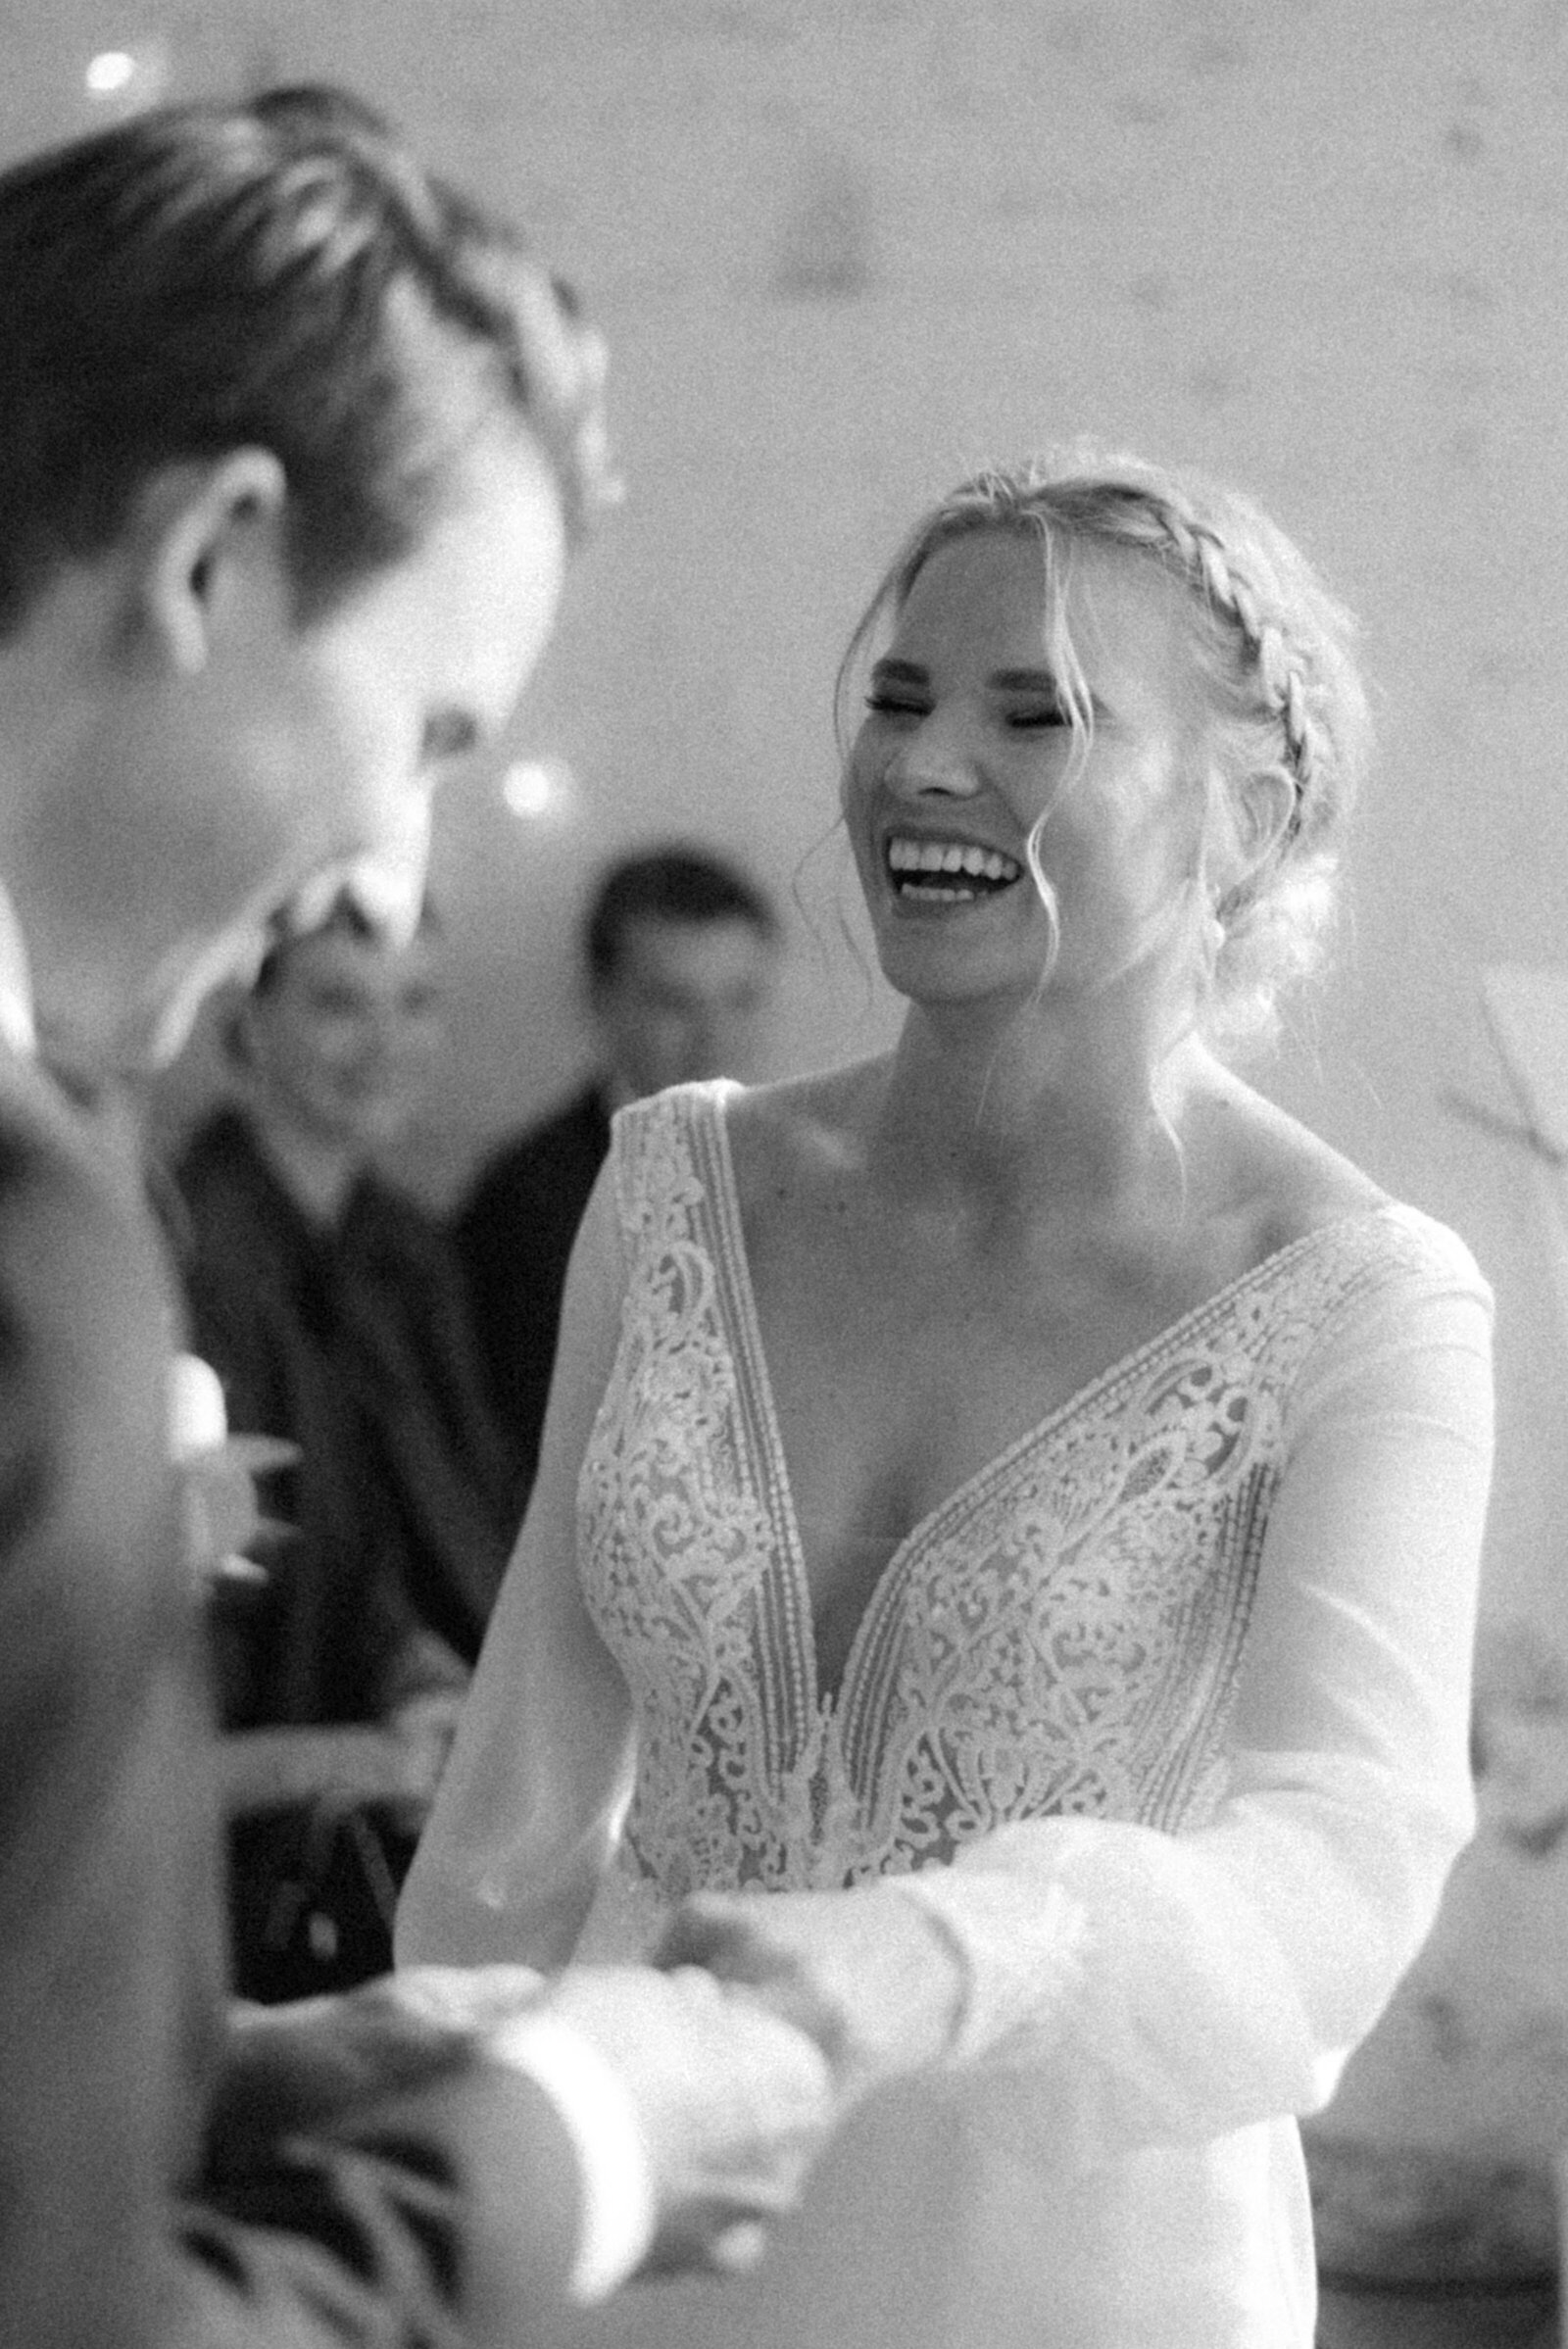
point(948, 967)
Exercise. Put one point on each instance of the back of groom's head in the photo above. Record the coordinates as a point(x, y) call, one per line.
point(282, 274)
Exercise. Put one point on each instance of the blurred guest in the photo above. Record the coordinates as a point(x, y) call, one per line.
point(330, 1304)
point(679, 951)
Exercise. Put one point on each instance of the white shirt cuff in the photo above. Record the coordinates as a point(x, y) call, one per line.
point(601, 2119)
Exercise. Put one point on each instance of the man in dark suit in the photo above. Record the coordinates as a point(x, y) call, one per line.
point(679, 952)
point(295, 443)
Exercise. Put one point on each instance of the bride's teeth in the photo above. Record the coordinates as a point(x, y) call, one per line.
point(949, 857)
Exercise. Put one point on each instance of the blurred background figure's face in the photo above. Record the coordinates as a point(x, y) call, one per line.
point(340, 1043)
point(686, 999)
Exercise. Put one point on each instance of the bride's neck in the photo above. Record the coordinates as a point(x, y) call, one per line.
point(1084, 1115)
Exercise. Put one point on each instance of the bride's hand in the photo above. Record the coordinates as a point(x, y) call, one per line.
point(866, 1973)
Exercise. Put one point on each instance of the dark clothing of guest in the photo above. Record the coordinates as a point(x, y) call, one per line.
point(353, 1343)
point(515, 1234)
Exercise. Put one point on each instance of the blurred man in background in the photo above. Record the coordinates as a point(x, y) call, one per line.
point(680, 953)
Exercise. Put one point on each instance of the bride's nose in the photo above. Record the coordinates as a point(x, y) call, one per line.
point(934, 761)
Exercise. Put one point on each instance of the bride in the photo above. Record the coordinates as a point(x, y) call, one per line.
point(1002, 1574)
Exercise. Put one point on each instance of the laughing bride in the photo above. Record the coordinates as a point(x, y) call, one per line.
point(1002, 1574)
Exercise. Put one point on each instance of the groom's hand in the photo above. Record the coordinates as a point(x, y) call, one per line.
point(864, 1972)
point(733, 2102)
point(730, 2103)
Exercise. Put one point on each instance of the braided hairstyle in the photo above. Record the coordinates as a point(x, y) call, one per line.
point(1272, 670)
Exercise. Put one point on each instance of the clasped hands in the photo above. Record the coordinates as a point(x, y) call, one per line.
point(770, 2016)
point(866, 1974)
point(761, 2022)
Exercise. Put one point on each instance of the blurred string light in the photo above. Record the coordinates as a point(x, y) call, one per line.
point(540, 791)
point(110, 72)
point(123, 78)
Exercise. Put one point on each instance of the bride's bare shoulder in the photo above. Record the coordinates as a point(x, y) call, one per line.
point(802, 1125)
point(1294, 1180)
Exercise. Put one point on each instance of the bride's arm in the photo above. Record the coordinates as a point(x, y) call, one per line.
point(526, 1817)
point(1126, 1987)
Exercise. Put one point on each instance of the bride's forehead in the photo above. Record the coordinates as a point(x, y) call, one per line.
point(1106, 602)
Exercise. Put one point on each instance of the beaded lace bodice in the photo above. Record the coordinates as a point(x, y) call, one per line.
point(1227, 1590)
point(1059, 1636)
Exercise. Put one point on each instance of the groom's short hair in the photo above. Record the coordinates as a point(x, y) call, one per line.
point(279, 274)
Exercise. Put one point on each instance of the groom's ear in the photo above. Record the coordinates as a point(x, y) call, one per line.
point(212, 554)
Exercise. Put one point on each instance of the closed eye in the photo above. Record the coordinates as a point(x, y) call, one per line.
point(1030, 698)
point(1026, 721)
point(899, 688)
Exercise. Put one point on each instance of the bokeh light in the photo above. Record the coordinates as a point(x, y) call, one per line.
point(111, 71)
point(539, 790)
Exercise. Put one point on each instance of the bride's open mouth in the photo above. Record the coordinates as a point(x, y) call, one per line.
point(946, 872)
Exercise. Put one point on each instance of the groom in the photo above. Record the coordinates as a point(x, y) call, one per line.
point(294, 441)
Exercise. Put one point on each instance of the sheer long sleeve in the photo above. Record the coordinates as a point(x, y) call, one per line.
point(1129, 1987)
point(532, 1798)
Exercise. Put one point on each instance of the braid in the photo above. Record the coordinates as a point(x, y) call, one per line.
point(1279, 665)
point(1216, 570)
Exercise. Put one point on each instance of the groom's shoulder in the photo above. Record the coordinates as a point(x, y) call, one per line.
point(84, 1310)
point(82, 1279)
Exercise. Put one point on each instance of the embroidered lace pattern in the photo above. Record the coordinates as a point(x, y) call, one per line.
point(1059, 1636)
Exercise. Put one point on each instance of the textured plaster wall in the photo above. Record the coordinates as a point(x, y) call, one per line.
point(842, 251)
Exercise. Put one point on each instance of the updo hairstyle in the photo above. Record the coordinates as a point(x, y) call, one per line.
point(1273, 673)
point(279, 274)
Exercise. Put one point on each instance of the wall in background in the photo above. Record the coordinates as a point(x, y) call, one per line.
point(842, 253)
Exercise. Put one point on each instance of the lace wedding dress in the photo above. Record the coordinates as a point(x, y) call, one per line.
point(1162, 1715)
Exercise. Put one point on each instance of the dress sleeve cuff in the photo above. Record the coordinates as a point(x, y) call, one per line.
point(601, 2119)
point(1017, 1947)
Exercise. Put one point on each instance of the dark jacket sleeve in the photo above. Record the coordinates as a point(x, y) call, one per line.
point(162, 2187)
point(109, 1942)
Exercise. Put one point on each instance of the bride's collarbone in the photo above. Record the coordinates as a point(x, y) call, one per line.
point(941, 1307)
point(894, 1389)
point(909, 1349)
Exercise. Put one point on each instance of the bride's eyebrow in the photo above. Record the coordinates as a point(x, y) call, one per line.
point(899, 673)
point(1047, 685)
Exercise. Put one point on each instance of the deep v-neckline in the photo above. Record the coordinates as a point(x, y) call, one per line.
point(735, 1273)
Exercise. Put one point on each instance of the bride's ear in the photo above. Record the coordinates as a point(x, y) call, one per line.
point(214, 538)
point(1260, 811)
